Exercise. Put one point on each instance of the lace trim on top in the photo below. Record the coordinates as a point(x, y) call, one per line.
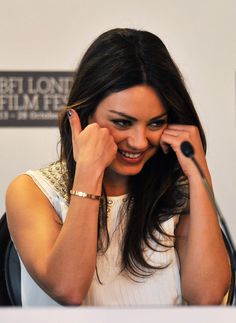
point(56, 175)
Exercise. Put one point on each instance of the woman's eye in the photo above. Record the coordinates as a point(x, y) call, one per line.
point(158, 124)
point(121, 123)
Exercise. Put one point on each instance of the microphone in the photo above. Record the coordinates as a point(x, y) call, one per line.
point(188, 151)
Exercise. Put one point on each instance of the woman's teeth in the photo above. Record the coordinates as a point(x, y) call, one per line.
point(130, 155)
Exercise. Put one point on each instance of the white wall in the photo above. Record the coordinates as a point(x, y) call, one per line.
point(52, 34)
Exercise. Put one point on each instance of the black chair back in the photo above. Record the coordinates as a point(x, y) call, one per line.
point(10, 272)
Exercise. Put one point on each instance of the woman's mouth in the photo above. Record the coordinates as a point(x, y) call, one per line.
point(130, 157)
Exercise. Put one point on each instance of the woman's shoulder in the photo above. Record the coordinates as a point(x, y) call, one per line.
point(52, 179)
point(20, 183)
point(21, 195)
point(45, 186)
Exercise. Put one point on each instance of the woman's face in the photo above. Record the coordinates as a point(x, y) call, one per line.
point(136, 119)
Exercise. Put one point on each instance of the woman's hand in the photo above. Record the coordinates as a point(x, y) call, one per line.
point(173, 136)
point(93, 146)
point(204, 266)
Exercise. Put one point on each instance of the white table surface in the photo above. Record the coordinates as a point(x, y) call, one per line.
point(117, 315)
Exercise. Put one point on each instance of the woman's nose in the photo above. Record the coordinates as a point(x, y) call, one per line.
point(138, 140)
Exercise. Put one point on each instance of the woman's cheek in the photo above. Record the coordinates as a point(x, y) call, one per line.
point(117, 134)
point(156, 137)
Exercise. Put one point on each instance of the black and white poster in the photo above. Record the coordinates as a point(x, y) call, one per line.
point(33, 99)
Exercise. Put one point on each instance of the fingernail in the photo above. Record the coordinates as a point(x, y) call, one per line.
point(165, 150)
point(69, 113)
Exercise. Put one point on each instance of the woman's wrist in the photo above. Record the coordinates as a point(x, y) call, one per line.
point(88, 179)
point(196, 179)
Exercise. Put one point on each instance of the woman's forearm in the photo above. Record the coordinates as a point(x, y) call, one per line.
point(205, 271)
point(71, 263)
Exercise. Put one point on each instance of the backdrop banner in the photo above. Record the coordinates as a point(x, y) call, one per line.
point(33, 99)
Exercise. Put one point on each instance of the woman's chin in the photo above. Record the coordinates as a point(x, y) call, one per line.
point(120, 170)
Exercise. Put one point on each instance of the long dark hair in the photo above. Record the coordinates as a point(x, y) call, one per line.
point(117, 60)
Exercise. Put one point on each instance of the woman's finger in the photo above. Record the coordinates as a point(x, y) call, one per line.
point(173, 136)
point(74, 121)
point(181, 127)
point(169, 140)
point(164, 146)
point(75, 129)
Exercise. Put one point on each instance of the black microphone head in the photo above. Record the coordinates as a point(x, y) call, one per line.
point(187, 149)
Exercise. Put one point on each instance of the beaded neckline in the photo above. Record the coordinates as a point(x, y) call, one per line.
point(56, 175)
point(118, 197)
point(112, 200)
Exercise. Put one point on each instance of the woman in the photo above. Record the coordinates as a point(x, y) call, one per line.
point(123, 217)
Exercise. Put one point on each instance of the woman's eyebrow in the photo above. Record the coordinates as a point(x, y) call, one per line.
point(124, 115)
point(165, 114)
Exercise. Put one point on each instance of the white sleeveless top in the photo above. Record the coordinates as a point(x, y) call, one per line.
point(162, 288)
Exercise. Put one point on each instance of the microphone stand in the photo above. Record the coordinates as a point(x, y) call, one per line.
point(188, 151)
